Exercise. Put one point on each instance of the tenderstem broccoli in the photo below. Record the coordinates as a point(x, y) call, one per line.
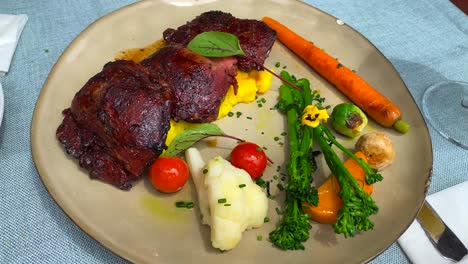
point(294, 227)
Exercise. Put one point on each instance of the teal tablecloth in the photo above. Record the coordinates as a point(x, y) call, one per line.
point(426, 40)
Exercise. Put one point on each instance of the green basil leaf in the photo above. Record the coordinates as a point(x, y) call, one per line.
point(187, 138)
point(216, 44)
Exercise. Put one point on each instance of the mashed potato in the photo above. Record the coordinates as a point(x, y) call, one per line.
point(249, 84)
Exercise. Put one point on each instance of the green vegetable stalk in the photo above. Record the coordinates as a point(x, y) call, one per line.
point(358, 206)
point(294, 227)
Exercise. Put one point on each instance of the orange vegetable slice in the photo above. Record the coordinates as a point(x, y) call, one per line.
point(326, 211)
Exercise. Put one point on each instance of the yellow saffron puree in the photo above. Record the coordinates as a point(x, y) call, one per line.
point(249, 85)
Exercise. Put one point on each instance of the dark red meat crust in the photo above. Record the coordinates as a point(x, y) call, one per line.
point(198, 84)
point(255, 37)
point(117, 123)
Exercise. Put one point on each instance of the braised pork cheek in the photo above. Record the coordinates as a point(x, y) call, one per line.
point(198, 84)
point(117, 123)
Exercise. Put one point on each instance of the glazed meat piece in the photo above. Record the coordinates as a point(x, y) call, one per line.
point(91, 154)
point(117, 123)
point(255, 37)
point(198, 84)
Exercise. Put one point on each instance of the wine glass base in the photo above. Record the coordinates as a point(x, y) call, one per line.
point(445, 106)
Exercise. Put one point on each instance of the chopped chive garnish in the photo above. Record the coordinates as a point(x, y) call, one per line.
point(242, 185)
point(259, 238)
point(260, 182)
point(205, 171)
point(227, 204)
point(265, 148)
point(259, 149)
point(230, 114)
point(250, 118)
point(183, 204)
point(280, 186)
point(263, 100)
point(259, 105)
point(266, 219)
point(275, 177)
point(278, 211)
point(238, 114)
point(276, 138)
point(277, 64)
point(283, 134)
point(222, 200)
point(339, 65)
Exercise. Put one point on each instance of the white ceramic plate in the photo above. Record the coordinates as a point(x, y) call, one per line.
point(144, 226)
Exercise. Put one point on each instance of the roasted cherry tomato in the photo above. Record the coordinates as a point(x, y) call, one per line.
point(250, 157)
point(169, 174)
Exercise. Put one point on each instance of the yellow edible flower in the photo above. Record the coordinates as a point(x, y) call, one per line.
point(312, 116)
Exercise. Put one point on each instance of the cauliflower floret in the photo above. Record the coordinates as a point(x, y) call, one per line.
point(229, 200)
point(196, 165)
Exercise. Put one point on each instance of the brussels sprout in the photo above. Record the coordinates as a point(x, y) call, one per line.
point(348, 119)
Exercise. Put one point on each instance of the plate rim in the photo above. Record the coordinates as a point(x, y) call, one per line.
point(112, 247)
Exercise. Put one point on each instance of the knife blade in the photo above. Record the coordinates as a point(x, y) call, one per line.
point(443, 239)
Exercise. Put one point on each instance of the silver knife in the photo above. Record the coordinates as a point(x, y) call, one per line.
point(443, 239)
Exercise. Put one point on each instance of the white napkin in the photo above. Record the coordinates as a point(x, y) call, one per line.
point(11, 27)
point(452, 206)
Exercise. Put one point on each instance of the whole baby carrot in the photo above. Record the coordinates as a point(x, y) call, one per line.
point(371, 101)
